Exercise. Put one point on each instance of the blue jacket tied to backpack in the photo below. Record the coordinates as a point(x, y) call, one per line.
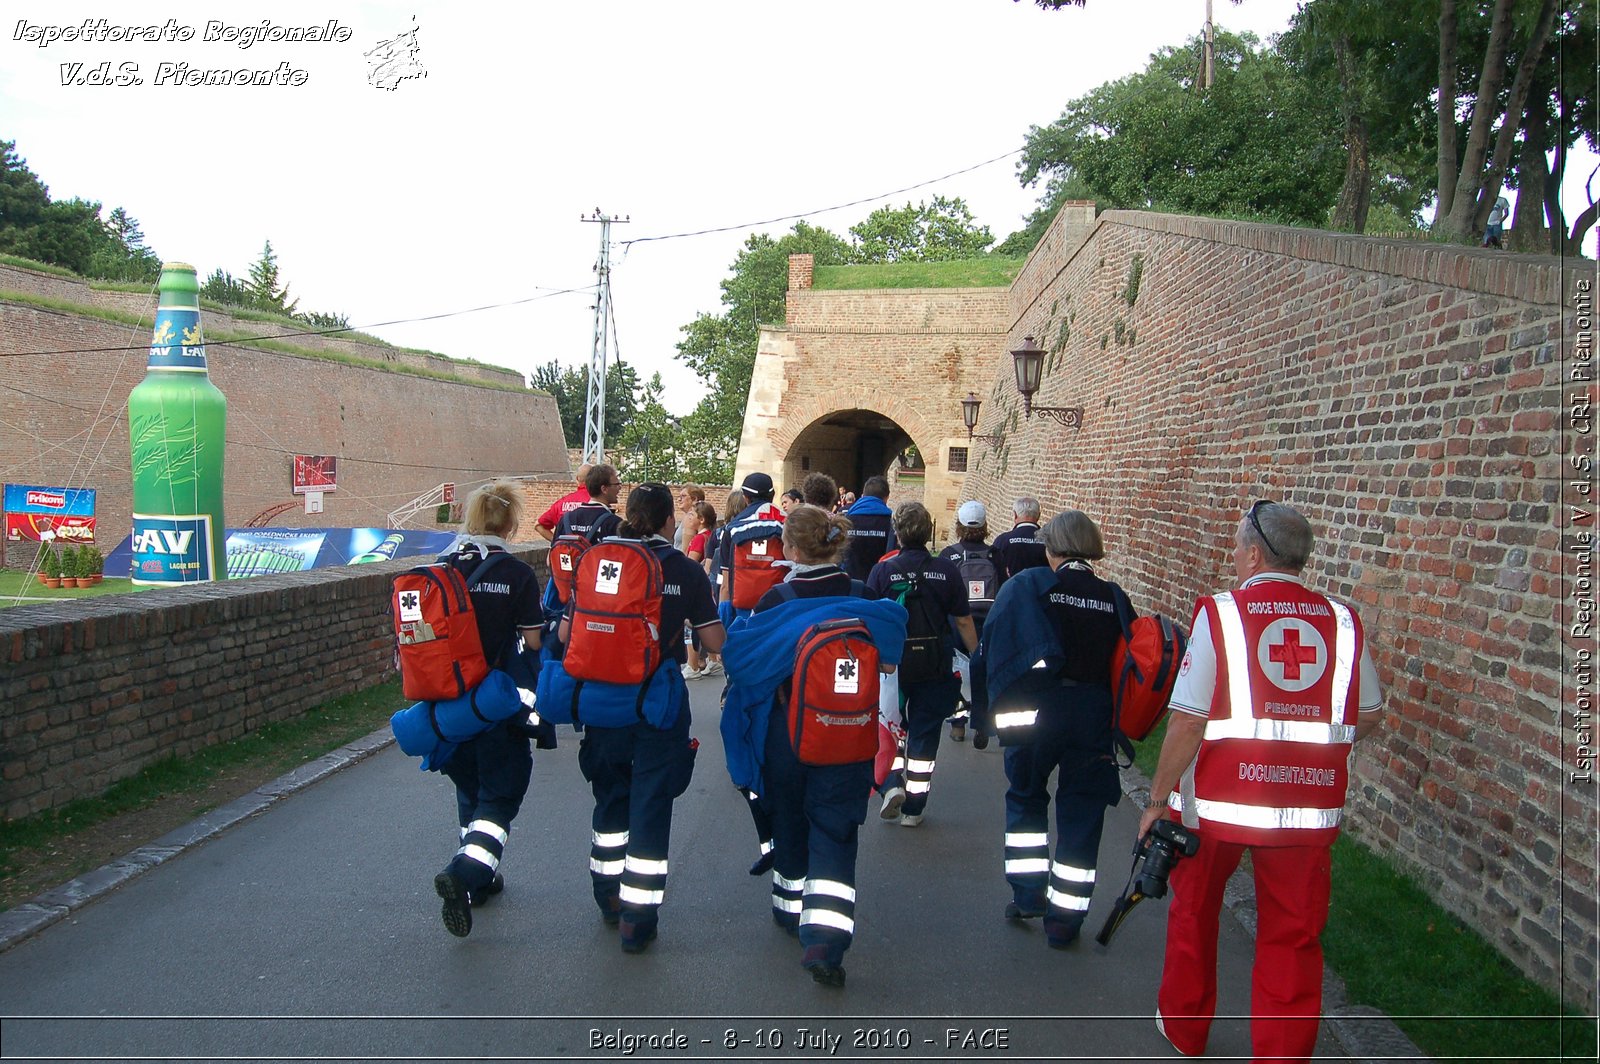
point(759, 658)
point(432, 730)
point(656, 702)
point(1018, 634)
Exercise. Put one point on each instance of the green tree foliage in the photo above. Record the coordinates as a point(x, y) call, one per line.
point(67, 233)
point(222, 287)
point(569, 385)
point(928, 232)
point(123, 256)
point(1259, 142)
point(266, 293)
point(649, 447)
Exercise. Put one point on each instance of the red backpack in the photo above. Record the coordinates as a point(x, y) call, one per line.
point(565, 554)
point(833, 696)
point(1144, 668)
point(616, 614)
point(753, 572)
point(441, 656)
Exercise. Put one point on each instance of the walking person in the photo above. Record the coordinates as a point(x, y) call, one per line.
point(491, 770)
point(1048, 645)
point(981, 578)
point(704, 519)
point(1276, 687)
point(935, 601)
point(816, 810)
point(871, 527)
point(636, 752)
point(1022, 547)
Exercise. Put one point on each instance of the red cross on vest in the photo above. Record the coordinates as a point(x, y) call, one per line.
point(1292, 655)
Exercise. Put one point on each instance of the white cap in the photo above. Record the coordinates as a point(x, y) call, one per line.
point(972, 514)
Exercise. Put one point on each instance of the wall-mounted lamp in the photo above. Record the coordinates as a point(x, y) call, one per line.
point(969, 416)
point(1028, 361)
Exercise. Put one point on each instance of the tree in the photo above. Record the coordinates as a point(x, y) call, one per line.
point(1062, 186)
point(222, 287)
point(649, 445)
point(23, 197)
point(569, 385)
point(265, 291)
point(122, 255)
point(940, 231)
point(1259, 142)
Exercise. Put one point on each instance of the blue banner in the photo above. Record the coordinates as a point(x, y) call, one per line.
point(60, 502)
point(259, 551)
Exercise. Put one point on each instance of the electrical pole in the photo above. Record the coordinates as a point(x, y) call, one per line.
point(1205, 76)
point(594, 405)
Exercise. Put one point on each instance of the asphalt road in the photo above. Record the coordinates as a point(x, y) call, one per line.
point(312, 932)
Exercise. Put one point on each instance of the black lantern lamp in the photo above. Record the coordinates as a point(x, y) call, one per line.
point(1028, 361)
point(969, 416)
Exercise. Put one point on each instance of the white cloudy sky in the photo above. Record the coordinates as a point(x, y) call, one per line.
point(465, 188)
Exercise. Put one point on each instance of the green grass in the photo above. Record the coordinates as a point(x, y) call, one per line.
point(224, 336)
point(14, 582)
point(961, 273)
point(274, 748)
point(36, 266)
point(1400, 951)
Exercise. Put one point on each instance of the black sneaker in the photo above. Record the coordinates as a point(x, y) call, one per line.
point(611, 910)
point(1017, 912)
point(636, 939)
point(456, 912)
point(980, 740)
point(823, 971)
point(1061, 934)
point(495, 886)
point(763, 863)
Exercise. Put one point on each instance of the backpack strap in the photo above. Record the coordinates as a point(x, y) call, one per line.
point(481, 570)
point(1119, 739)
point(786, 593)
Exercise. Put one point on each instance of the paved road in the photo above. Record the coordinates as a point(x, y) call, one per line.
point(312, 931)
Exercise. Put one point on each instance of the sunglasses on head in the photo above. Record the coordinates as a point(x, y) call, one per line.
point(1256, 523)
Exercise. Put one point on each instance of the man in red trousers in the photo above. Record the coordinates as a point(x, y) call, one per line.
point(1275, 688)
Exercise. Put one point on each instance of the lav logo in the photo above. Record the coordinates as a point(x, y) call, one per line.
point(163, 541)
point(53, 500)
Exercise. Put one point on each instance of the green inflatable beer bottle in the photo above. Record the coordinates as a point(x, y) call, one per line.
point(176, 418)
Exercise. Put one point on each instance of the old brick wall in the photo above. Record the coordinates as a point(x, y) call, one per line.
point(396, 434)
point(1408, 399)
point(93, 690)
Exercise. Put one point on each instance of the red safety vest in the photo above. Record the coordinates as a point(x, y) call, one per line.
point(1274, 767)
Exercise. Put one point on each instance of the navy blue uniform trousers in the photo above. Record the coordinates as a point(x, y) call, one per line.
point(635, 774)
point(817, 812)
point(927, 705)
point(491, 773)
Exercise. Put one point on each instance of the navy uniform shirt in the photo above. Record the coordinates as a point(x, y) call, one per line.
point(685, 596)
point(871, 537)
point(942, 587)
point(1021, 548)
point(818, 583)
point(507, 599)
point(594, 520)
point(1084, 615)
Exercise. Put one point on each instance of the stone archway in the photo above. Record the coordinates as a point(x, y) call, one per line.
point(847, 445)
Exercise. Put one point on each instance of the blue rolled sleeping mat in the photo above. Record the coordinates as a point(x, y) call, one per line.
point(433, 730)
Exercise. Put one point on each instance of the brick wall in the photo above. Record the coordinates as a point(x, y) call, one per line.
point(1408, 399)
point(93, 690)
point(397, 435)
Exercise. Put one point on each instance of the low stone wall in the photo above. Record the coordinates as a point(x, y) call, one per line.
point(93, 690)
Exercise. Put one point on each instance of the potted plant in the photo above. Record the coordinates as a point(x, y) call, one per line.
point(97, 565)
point(42, 559)
point(69, 566)
point(52, 570)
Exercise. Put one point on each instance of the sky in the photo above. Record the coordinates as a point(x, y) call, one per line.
point(390, 198)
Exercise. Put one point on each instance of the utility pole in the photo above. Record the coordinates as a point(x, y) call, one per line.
point(594, 405)
point(1205, 75)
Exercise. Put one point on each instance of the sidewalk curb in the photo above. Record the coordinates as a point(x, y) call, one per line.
point(1364, 1033)
point(59, 902)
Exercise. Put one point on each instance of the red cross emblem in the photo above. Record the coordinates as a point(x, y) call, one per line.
point(1291, 654)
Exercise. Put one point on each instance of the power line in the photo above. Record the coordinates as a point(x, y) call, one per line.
point(548, 294)
point(823, 210)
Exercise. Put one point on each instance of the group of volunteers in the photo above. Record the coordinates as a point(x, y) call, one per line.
point(847, 645)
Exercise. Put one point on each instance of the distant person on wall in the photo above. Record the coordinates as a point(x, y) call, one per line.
point(1276, 687)
point(1021, 548)
point(546, 525)
point(871, 528)
point(687, 499)
point(1495, 229)
point(491, 770)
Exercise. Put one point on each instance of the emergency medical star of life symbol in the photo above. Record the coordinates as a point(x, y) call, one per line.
point(845, 678)
point(1292, 654)
point(607, 577)
point(410, 606)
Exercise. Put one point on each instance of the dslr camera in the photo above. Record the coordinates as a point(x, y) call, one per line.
point(1166, 842)
point(1160, 849)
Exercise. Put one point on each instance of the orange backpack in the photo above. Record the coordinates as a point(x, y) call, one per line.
point(616, 614)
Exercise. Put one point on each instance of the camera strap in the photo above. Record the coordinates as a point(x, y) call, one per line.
point(1126, 900)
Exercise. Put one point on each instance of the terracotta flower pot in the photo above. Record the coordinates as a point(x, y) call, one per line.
point(96, 578)
point(69, 581)
point(52, 582)
point(41, 577)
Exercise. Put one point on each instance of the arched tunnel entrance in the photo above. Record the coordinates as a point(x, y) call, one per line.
point(849, 446)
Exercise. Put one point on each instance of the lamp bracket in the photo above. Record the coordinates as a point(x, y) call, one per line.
point(1070, 417)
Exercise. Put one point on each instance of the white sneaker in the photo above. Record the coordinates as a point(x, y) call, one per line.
point(910, 820)
point(893, 799)
point(713, 668)
point(693, 674)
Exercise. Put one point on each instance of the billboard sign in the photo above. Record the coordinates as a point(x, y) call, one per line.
point(31, 511)
point(315, 472)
